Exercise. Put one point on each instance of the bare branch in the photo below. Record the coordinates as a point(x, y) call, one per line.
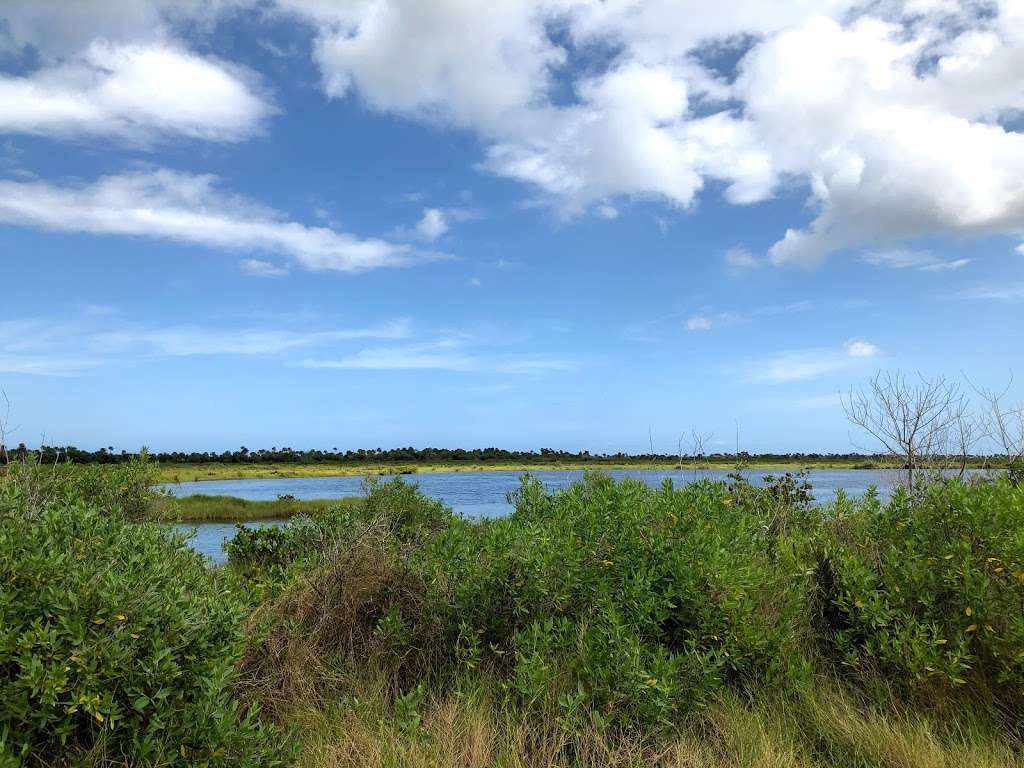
point(923, 423)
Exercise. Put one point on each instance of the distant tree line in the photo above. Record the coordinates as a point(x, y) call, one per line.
point(410, 455)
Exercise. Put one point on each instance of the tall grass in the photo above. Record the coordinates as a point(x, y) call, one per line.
point(205, 508)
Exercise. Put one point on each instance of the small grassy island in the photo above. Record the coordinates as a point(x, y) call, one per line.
point(610, 624)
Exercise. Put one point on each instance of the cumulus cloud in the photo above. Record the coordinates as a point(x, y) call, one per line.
point(860, 348)
point(897, 117)
point(134, 91)
point(432, 224)
point(190, 208)
point(119, 68)
point(34, 25)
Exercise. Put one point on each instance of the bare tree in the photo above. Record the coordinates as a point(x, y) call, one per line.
point(920, 421)
point(5, 428)
point(1003, 425)
point(697, 441)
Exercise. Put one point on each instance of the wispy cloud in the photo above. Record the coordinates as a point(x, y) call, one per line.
point(739, 260)
point(190, 208)
point(1004, 292)
point(61, 348)
point(449, 354)
point(804, 364)
point(808, 403)
point(924, 261)
point(185, 341)
point(259, 268)
point(707, 320)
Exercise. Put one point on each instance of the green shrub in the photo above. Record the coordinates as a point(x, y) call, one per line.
point(609, 602)
point(28, 487)
point(929, 587)
point(625, 602)
point(117, 645)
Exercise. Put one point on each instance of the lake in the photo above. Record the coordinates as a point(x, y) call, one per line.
point(477, 494)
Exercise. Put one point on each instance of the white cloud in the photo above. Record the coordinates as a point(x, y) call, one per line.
point(191, 208)
point(908, 259)
point(860, 348)
point(699, 323)
point(607, 212)
point(1020, 249)
point(260, 268)
point(134, 91)
point(804, 364)
point(738, 260)
point(188, 341)
point(449, 354)
point(37, 25)
point(41, 349)
point(432, 224)
point(46, 347)
point(468, 63)
point(895, 115)
point(1003, 292)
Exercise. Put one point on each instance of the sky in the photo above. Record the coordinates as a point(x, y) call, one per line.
point(573, 224)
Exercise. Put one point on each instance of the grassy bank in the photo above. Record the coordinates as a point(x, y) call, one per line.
point(711, 625)
point(204, 508)
point(183, 473)
point(465, 725)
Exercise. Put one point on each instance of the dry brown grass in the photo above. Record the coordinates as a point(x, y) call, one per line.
point(466, 728)
point(331, 614)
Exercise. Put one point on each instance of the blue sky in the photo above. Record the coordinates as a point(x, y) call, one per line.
point(543, 223)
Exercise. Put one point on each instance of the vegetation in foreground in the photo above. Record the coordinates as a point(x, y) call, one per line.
point(609, 624)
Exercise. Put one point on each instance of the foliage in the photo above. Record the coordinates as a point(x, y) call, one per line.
point(29, 486)
point(612, 602)
point(117, 645)
point(929, 587)
point(406, 458)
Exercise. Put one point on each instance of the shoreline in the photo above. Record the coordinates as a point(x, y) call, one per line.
point(189, 473)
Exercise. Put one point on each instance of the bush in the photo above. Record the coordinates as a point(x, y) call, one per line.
point(28, 487)
point(117, 645)
point(609, 602)
point(929, 587)
point(623, 602)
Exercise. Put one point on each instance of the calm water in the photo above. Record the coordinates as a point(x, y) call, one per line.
point(474, 494)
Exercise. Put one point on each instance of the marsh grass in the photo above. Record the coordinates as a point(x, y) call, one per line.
point(205, 508)
point(467, 725)
point(183, 473)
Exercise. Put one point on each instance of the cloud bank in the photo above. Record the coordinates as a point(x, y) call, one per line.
point(897, 118)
